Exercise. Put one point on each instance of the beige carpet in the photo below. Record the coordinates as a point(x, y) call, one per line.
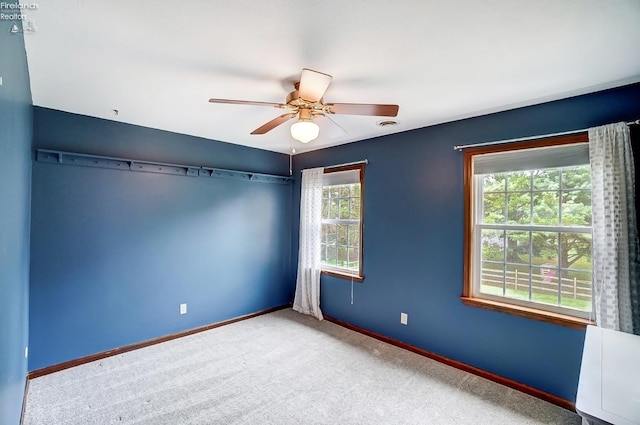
point(279, 368)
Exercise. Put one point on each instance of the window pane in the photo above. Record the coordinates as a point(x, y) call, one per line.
point(354, 235)
point(342, 256)
point(546, 208)
point(575, 251)
point(576, 208)
point(355, 190)
point(493, 208)
point(334, 191)
point(353, 259)
point(492, 245)
point(342, 234)
point(519, 181)
point(491, 278)
point(517, 247)
point(546, 277)
point(344, 190)
point(493, 183)
point(576, 177)
point(334, 209)
point(575, 270)
point(355, 208)
point(519, 208)
point(544, 248)
point(323, 253)
point(545, 290)
point(325, 207)
point(576, 289)
point(517, 281)
point(332, 255)
point(329, 233)
point(544, 273)
point(344, 208)
point(546, 179)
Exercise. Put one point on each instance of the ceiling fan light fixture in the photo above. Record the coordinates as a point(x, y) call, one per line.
point(304, 130)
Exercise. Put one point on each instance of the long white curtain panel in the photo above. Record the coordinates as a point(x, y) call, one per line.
point(615, 237)
point(307, 298)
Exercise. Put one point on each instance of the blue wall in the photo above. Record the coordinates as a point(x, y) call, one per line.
point(15, 184)
point(114, 252)
point(413, 243)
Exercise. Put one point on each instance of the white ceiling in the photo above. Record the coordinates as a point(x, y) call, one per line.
point(158, 62)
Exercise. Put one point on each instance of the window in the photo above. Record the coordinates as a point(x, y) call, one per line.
point(341, 247)
point(528, 229)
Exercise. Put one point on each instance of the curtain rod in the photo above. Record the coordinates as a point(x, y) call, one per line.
point(520, 139)
point(364, 161)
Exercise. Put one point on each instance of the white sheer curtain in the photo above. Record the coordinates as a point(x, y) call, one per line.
point(615, 239)
point(307, 298)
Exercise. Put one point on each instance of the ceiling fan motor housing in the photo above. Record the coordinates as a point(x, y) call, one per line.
point(294, 100)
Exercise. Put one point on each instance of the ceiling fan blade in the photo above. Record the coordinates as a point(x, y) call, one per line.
point(363, 109)
point(329, 127)
point(313, 84)
point(247, 102)
point(274, 123)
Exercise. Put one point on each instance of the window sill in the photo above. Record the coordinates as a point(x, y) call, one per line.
point(342, 275)
point(529, 313)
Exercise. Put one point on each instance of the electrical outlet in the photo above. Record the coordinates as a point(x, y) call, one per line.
point(26, 351)
point(404, 317)
point(183, 308)
point(0, 81)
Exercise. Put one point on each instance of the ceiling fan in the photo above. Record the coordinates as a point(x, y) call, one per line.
point(306, 103)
